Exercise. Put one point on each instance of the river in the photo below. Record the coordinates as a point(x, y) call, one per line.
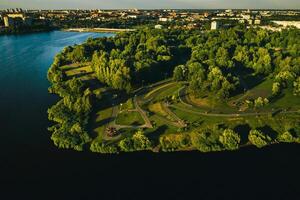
point(31, 167)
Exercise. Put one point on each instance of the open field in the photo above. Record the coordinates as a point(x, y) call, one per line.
point(132, 118)
point(83, 72)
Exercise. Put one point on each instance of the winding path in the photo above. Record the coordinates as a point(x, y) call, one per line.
point(182, 98)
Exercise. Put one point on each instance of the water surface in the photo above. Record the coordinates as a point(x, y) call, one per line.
point(24, 62)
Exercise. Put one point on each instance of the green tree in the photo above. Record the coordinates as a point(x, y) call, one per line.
point(223, 59)
point(230, 139)
point(276, 88)
point(286, 137)
point(180, 73)
point(297, 86)
point(258, 138)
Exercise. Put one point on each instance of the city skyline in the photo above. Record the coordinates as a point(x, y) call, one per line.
point(154, 4)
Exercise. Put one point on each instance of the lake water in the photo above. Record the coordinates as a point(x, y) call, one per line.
point(31, 167)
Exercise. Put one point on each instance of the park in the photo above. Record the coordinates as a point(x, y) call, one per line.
point(217, 100)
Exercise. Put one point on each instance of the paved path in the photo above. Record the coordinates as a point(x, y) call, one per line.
point(179, 123)
point(182, 97)
point(142, 113)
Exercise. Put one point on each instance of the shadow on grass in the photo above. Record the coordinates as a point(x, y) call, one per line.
point(72, 68)
point(154, 136)
point(269, 131)
point(243, 130)
point(81, 75)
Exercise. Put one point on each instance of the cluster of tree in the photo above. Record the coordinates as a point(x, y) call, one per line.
point(257, 103)
point(174, 142)
point(220, 59)
point(25, 29)
point(138, 142)
point(215, 140)
point(100, 147)
point(214, 61)
point(134, 58)
point(95, 23)
point(71, 113)
point(258, 138)
point(205, 140)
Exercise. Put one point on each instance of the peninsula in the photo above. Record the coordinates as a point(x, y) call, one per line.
point(177, 90)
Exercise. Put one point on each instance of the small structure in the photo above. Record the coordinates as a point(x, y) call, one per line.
point(158, 26)
point(111, 131)
point(215, 25)
point(257, 22)
point(16, 19)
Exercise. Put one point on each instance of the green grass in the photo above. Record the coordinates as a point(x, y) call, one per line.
point(162, 125)
point(100, 121)
point(82, 71)
point(287, 101)
point(158, 90)
point(129, 118)
point(128, 105)
point(167, 91)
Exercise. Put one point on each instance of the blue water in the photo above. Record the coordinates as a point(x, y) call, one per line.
point(24, 61)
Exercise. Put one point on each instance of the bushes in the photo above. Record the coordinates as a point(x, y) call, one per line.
point(205, 141)
point(71, 114)
point(286, 137)
point(174, 142)
point(258, 138)
point(230, 139)
point(99, 147)
point(137, 142)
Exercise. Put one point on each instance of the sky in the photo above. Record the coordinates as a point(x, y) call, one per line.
point(150, 4)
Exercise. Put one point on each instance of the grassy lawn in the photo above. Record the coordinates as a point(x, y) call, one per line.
point(157, 108)
point(161, 127)
point(82, 71)
point(128, 105)
point(156, 91)
point(264, 89)
point(167, 91)
point(287, 101)
point(129, 118)
point(210, 104)
point(100, 121)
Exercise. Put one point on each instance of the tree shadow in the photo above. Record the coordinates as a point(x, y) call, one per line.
point(154, 136)
point(268, 131)
point(243, 130)
point(72, 68)
point(253, 81)
point(81, 75)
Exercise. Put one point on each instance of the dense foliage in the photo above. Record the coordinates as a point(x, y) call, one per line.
point(71, 113)
point(219, 63)
point(258, 138)
point(220, 60)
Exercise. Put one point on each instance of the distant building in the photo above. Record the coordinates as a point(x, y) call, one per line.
point(286, 24)
point(246, 17)
point(158, 26)
point(132, 16)
point(165, 19)
point(215, 25)
point(15, 19)
point(257, 22)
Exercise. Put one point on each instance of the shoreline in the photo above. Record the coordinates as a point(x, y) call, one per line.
point(98, 30)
